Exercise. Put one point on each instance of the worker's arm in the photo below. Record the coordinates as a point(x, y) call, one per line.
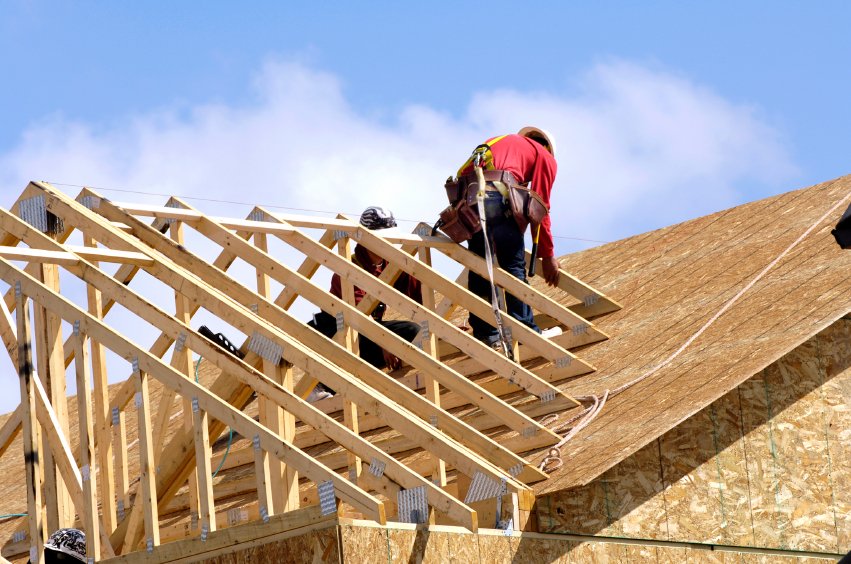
point(551, 270)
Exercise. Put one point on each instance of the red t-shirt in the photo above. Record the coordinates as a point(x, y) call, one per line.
point(528, 161)
point(406, 284)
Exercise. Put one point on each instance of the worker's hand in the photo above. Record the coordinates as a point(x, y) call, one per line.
point(392, 361)
point(551, 272)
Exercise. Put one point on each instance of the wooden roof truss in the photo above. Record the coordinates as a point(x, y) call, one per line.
point(445, 369)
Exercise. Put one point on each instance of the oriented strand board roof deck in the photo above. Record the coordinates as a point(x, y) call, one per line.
point(671, 282)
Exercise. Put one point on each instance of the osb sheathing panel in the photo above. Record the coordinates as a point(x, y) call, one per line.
point(672, 281)
point(707, 493)
point(836, 358)
point(805, 516)
point(380, 544)
point(318, 547)
point(582, 510)
point(623, 502)
point(638, 478)
point(766, 465)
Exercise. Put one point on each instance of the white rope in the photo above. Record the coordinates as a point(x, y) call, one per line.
point(495, 301)
point(585, 417)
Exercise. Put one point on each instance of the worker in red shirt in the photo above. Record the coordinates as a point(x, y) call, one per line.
point(528, 156)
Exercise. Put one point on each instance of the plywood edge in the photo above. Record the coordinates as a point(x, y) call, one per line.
point(516, 539)
point(281, 526)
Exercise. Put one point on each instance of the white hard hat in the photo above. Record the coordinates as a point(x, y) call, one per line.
point(69, 542)
point(376, 217)
point(542, 136)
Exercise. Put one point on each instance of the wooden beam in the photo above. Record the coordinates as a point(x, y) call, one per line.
point(191, 217)
point(417, 313)
point(366, 325)
point(306, 412)
point(295, 282)
point(100, 393)
point(148, 493)
point(284, 481)
point(203, 454)
point(183, 363)
point(149, 364)
point(348, 338)
point(11, 428)
point(432, 386)
point(279, 327)
point(51, 368)
point(88, 469)
point(531, 296)
point(594, 302)
point(473, 303)
point(62, 454)
point(122, 468)
point(305, 270)
point(32, 455)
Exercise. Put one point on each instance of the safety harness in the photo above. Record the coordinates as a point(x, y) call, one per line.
point(478, 160)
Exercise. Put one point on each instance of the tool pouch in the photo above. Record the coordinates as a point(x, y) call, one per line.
point(526, 206)
point(454, 189)
point(460, 221)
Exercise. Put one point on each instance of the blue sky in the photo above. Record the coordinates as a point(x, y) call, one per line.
point(665, 110)
point(662, 111)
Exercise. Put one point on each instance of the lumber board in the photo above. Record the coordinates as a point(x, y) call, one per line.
point(183, 362)
point(417, 313)
point(530, 295)
point(432, 385)
point(470, 301)
point(149, 364)
point(109, 287)
point(223, 306)
point(285, 482)
point(365, 324)
point(88, 470)
point(100, 394)
point(48, 331)
point(11, 428)
point(51, 430)
point(204, 471)
point(32, 459)
point(147, 492)
point(73, 255)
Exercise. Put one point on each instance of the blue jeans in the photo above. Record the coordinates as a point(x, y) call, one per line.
point(507, 243)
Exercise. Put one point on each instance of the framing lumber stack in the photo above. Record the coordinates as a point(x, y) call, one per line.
point(137, 465)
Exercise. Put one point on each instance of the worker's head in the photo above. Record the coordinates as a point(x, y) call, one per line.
point(376, 217)
point(66, 545)
point(540, 136)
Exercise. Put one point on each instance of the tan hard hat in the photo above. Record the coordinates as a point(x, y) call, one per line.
point(533, 132)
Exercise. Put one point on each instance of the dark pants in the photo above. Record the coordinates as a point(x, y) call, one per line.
point(507, 243)
point(373, 354)
point(369, 351)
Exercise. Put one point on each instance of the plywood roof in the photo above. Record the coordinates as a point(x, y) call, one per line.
point(671, 282)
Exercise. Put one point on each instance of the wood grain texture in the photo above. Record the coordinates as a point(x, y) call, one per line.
point(671, 282)
point(766, 465)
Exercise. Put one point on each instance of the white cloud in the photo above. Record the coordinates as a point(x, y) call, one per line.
point(638, 149)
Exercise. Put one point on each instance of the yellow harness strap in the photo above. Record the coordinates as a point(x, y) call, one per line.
point(488, 157)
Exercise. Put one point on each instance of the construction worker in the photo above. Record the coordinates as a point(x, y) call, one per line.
point(529, 157)
point(65, 545)
point(373, 218)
